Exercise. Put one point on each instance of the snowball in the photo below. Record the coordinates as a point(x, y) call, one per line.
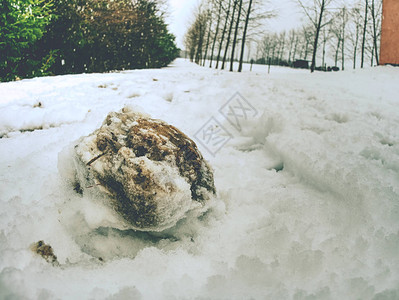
point(150, 173)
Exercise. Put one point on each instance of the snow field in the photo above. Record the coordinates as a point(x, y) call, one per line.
point(308, 190)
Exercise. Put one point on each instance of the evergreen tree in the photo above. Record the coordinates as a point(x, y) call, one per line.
point(22, 23)
point(100, 35)
point(38, 37)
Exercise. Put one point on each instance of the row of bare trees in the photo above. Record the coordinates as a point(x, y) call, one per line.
point(221, 29)
point(285, 47)
point(341, 31)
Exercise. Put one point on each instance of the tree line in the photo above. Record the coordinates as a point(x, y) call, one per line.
point(221, 29)
point(43, 37)
point(333, 31)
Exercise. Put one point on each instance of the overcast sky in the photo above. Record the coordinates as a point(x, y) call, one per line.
point(181, 12)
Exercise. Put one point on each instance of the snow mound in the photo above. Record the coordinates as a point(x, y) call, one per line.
point(307, 192)
point(38, 116)
point(150, 173)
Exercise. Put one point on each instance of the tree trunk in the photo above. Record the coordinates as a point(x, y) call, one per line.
point(244, 35)
point(229, 36)
point(223, 34)
point(281, 52)
point(364, 32)
point(337, 51)
point(354, 57)
point(216, 33)
point(343, 38)
point(273, 53)
point(356, 42)
point(235, 36)
point(295, 48)
point(375, 35)
point(306, 46)
point(324, 51)
point(208, 38)
point(200, 44)
point(292, 38)
point(372, 56)
point(316, 39)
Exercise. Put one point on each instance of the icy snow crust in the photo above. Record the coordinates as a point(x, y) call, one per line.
point(308, 191)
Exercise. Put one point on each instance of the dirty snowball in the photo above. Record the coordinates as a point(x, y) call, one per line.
point(149, 172)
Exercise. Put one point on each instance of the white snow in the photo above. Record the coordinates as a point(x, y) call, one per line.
point(308, 190)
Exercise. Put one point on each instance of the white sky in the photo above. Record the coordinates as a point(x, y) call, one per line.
point(181, 12)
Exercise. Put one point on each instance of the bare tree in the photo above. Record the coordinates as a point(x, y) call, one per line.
point(274, 43)
point(272, 47)
point(291, 42)
point(235, 35)
point(344, 21)
point(264, 47)
point(296, 43)
point(355, 26)
point(376, 11)
point(315, 13)
point(220, 4)
point(201, 34)
point(229, 35)
point(282, 44)
point(306, 41)
point(254, 12)
point(369, 48)
point(245, 34)
point(336, 32)
point(325, 37)
point(209, 29)
point(194, 38)
point(227, 12)
point(365, 18)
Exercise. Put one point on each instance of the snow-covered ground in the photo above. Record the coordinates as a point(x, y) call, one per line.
point(306, 169)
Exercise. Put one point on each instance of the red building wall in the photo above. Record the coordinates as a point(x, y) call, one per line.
point(389, 53)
